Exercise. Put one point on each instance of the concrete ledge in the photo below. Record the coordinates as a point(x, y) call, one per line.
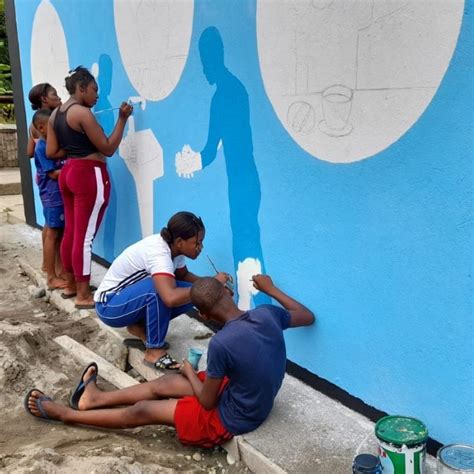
point(84, 355)
point(10, 181)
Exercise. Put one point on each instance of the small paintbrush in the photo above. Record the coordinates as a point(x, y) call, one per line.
point(228, 283)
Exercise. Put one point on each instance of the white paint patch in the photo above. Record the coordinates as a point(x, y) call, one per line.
point(347, 79)
point(153, 39)
point(137, 100)
point(143, 155)
point(187, 162)
point(49, 55)
point(95, 70)
point(245, 289)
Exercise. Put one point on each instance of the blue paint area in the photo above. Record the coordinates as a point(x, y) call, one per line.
point(380, 249)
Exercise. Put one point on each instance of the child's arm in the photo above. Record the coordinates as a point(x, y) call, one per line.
point(300, 314)
point(54, 174)
point(206, 392)
point(30, 147)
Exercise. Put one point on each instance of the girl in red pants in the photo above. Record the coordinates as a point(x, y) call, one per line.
point(84, 181)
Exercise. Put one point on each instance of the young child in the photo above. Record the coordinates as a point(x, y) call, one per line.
point(246, 366)
point(47, 179)
point(41, 96)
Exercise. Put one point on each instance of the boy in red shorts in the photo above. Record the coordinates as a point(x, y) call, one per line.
point(245, 369)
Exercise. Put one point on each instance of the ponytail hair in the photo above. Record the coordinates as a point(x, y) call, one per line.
point(183, 224)
point(37, 93)
point(78, 77)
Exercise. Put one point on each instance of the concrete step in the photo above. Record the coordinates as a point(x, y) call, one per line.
point(10, 181)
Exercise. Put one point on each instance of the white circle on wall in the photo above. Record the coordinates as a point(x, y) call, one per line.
point(49, 55)
point(348, 79)
point(153, 39)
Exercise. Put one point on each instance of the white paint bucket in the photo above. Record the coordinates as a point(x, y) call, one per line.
point(455, 459)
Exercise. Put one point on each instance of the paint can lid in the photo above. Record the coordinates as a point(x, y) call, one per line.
point(457, 456)
point(401, 430)
point(366, 463)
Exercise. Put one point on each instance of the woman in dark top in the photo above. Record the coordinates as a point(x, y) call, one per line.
point(74, 132)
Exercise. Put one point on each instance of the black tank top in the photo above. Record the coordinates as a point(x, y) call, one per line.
point(76, 144)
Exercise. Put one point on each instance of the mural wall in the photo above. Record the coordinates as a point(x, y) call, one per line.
point(328, 143)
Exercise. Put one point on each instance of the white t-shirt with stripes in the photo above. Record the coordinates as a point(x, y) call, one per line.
point(150, 256)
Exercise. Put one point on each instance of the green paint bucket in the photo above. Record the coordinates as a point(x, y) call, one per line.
point(402, 444)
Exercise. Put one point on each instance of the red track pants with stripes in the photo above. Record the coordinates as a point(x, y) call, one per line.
point(85, 188)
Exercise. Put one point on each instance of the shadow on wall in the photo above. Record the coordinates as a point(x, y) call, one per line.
point(230, 123)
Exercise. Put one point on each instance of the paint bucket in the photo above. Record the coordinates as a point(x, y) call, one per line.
point(366, 464)
point(402, 444)
point(455, 458)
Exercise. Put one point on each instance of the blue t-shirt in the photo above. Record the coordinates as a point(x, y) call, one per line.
point(251, 351)
point(48, 188)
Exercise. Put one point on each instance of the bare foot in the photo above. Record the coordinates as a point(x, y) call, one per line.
point(89, 397)
point(56, 283)
point(52, 409)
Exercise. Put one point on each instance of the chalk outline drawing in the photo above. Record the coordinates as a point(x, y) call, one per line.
point(154, 53)
point(153, 50)
point(143, 156)
point(350, 121)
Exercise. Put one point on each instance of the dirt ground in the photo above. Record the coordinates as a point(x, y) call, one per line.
point(30, 358)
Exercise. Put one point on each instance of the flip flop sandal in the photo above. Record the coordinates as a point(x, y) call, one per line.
point(84, 306)
point(138, 344)
point(163, 363)
point(44, 417)
point(66, 296)
point(81, 386)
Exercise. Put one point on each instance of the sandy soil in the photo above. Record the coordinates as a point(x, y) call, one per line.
point(29, 358)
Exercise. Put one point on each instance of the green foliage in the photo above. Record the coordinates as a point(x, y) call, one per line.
point(7, 111)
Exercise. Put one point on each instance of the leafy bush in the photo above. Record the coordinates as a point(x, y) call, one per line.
point(7, 111)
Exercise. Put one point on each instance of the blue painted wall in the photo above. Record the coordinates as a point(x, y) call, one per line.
point(380, 249)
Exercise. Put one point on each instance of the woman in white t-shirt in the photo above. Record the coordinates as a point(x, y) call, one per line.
point(148, 284)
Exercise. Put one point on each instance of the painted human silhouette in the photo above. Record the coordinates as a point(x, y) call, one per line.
point(230, 125)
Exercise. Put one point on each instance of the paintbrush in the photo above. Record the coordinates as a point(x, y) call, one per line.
point(129, 102)
point(228, 283)
point(107, 110)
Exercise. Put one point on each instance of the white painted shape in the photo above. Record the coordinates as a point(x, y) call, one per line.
point(137, 100)
point(392, 55)
point(153, 39)
point(143, 155)
point(187, 162)
point(49, 55)
point(245, 289)
point(95, 70)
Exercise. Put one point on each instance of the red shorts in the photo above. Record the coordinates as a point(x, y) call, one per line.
point(197, 426)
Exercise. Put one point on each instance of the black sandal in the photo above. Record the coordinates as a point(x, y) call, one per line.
point(138, 344)
point(165, 362)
